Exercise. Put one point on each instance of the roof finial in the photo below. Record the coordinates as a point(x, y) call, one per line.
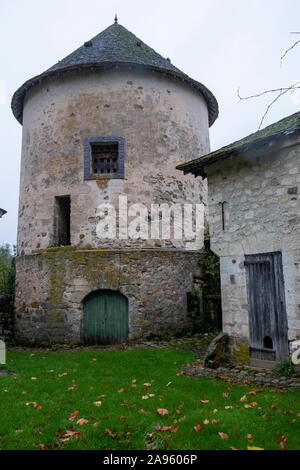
point(116, 19)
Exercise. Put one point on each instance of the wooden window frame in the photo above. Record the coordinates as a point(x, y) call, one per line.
point(88, 161)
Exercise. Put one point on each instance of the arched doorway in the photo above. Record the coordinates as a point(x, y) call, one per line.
point(105, 317)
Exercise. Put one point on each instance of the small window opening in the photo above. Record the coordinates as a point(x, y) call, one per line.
point(62, 219)
point(222, 204)
point(104, 157)
point(268, 343)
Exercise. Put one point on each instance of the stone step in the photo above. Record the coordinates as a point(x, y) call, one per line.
point(263, 364)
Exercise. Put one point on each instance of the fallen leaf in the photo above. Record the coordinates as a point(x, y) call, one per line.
point(204, 400)
point(282, 441)
point(34, 404)
point(121, 390)
point(34, 378)
point(82, 421)
point(97, 403)
point(73, 415)
point(158, 427)
point(223, 435)
point(254, 448)
point(244, 398)
point(162, 411)
point(206, 421)
point(255, 391)
point(198, 428)
point(110, 433)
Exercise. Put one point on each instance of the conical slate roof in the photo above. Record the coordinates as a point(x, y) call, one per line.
point(114, 46)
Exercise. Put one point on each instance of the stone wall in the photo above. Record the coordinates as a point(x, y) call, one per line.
point(51, 285)
point(262, 215)
point(163, 123)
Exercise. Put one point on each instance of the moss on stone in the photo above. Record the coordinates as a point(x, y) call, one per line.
point(239, 352)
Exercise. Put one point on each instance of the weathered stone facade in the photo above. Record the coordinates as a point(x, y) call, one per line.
point(162, 118)
point(262, 215)
point(52, 284)
point(162, 123)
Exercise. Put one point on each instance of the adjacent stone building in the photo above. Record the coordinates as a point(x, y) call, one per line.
point(112, 118)
point(254, 223)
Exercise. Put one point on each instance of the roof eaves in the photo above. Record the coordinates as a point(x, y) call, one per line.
point(246, 145)
point(19, 95)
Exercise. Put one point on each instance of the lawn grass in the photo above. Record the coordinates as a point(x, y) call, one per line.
point(35, 413)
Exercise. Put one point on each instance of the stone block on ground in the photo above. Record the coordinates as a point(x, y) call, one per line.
point(216, 351)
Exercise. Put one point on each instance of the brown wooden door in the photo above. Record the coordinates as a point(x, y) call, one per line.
point(266, 302)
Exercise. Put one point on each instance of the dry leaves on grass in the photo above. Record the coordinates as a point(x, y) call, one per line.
point(34, 404)
point(223, 435)
point(98, 403)
point(82, 421)
point(158, 427)
point(198, 428)
point(73, 415)
point(110, 433)
point(162, 411)
point(65, 436)
point(204, 400)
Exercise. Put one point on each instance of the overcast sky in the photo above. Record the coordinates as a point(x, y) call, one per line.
point(221, 43)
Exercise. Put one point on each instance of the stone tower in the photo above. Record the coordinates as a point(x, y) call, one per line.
point(112, 119)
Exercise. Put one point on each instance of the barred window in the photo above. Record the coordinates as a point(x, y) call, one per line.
point(104, 157)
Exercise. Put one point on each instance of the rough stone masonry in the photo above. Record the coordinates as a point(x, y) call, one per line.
point(113, 88)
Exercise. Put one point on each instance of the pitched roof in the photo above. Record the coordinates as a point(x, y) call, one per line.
point(114, 46)
point(255, 141)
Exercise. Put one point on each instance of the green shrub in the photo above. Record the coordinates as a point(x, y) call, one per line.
point(285, 369)
point(7, 273)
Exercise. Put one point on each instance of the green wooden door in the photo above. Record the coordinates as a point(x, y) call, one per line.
point(105, 318)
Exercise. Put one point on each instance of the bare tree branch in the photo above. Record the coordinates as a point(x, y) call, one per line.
point(275, 90)
point(288, 50)
point(280, 92)
point(292, 87)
